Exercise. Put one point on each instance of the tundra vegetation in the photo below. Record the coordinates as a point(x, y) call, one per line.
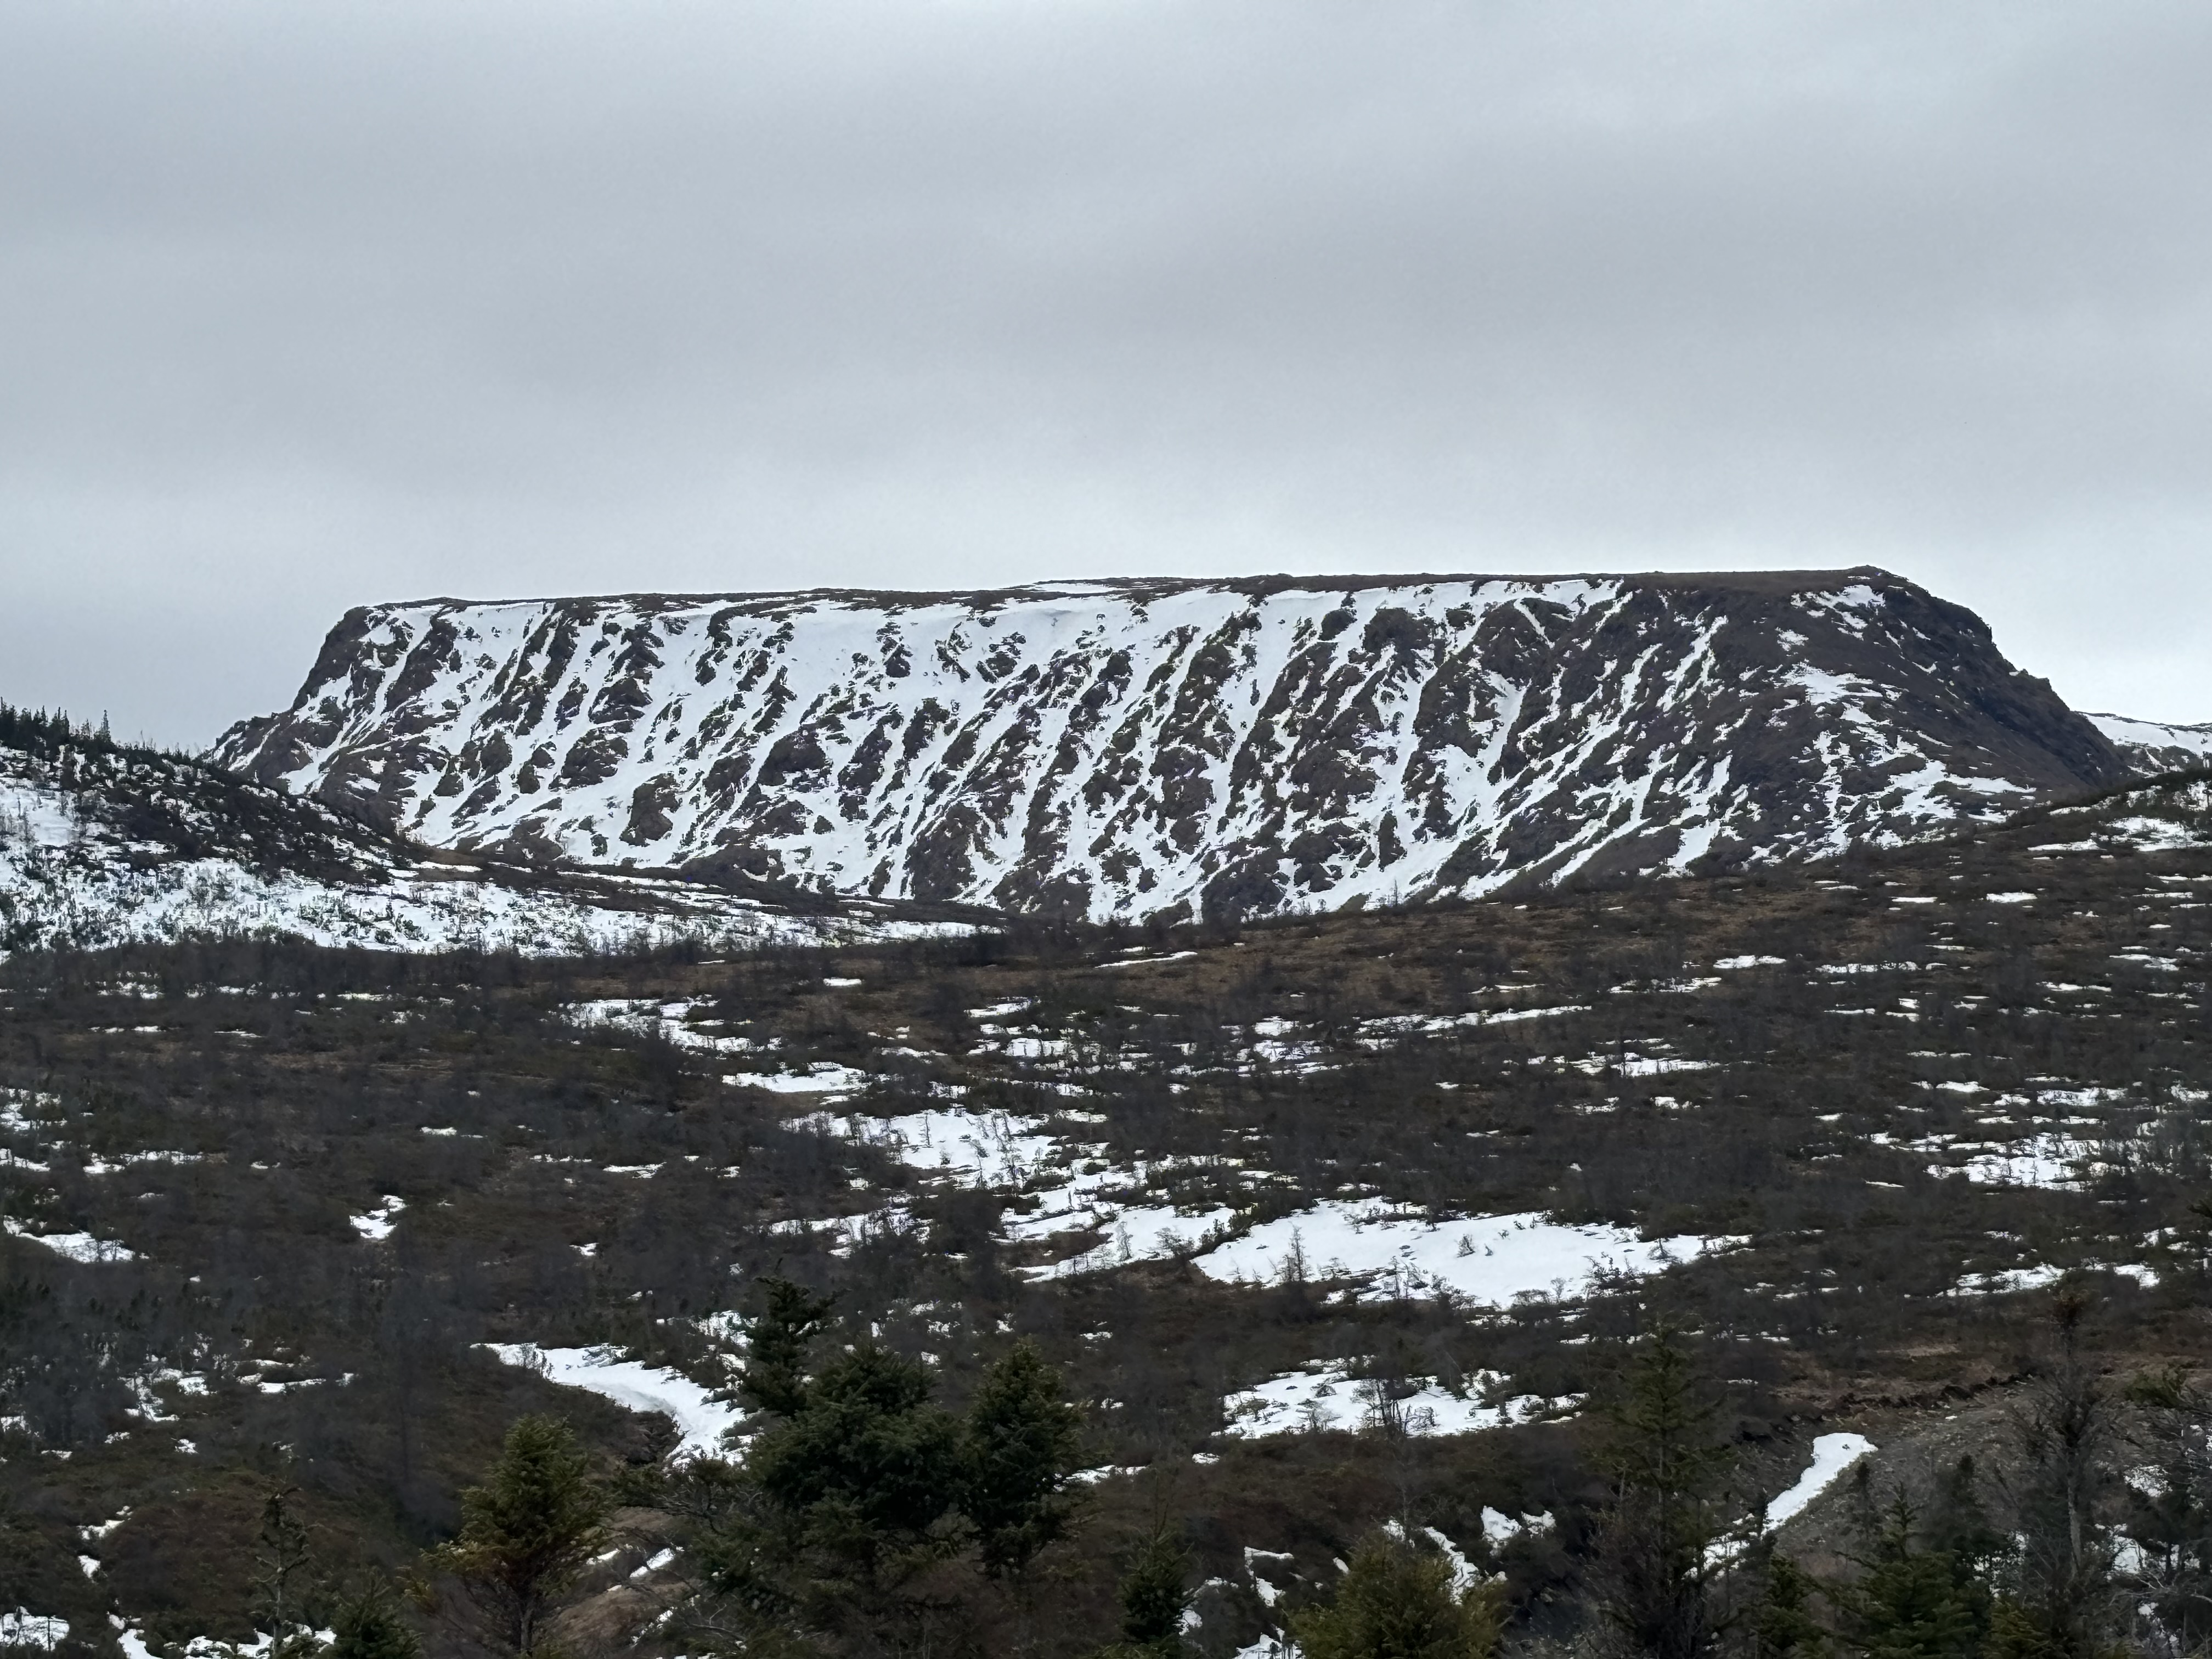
point(1064, 1289)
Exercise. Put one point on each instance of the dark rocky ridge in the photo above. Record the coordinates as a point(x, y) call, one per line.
point(1150, 746)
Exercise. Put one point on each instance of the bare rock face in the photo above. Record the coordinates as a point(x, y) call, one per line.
point(1143, 747)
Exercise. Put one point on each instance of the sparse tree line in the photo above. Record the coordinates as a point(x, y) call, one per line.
point(1847, 1247)
point(2085, 1532)
point(861, 1519)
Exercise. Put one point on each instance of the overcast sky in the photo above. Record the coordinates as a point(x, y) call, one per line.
point(303, 307)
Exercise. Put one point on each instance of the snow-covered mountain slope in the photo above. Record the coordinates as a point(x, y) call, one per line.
point(101, 846)
point(1138, 747)
point(2154, 746)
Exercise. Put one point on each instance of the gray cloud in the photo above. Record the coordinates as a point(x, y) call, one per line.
point(305, 307)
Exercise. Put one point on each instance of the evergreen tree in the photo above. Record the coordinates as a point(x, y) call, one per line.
point(1782, 1625)
point(1957, 1523)
point(2060, 1599)
point(369, 1625)
point(1021, 1447)
point(862, 1482)
point(1155, 1594)
point(1663, 1540)
point(776, 1343)
point(838, 1503)
point(525, 1534)
point(1912, 1601)
point(1397, 1603)
point(2170, 1502)
point(866, 1466)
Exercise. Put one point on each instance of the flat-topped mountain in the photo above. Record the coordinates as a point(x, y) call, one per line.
point(1155, 746)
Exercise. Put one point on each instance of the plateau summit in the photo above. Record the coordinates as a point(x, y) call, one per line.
point(1171, 748)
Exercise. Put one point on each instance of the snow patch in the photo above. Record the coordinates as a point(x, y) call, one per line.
point(1488, 1260)
point(1832, 1453)
point(634, 1386)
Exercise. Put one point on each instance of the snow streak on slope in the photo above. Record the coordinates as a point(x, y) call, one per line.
point(102, 848)
point(703, 1418)
point(1136, 748)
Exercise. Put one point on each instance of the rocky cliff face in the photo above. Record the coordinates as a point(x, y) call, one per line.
point(1141, 747)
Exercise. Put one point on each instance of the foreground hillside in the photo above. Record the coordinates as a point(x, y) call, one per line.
point(102, 844)
point(1326, 1221)
point(1182, 749)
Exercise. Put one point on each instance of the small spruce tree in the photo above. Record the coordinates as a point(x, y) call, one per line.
point(865, 1468)
point(777, 1340)
point(526, 1534)
point(1782, 1624)
point(1155, 1594)
point(369, 1624)
point(1912, 1601)
point(1397, 1603)
point(1664, 1540)
point(1020, 1452)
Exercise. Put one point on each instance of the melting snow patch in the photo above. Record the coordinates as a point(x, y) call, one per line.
point(2012, 1280)
point(100, 1166)
point(2052, 1161)
point(77, 1247)
point(376, 1225)
point(1134, 1233)
point(1436, 1024)
point(1731, 963)
point(1489, 1261)
point(23, 1628)
point(823, 1077)
point(2155, 834)
point(1832, 1453)
point(997, 1151)
point(984, 1149)
point(632, 1385)
point(1636, 1065)
point(1501, 1529)
point(1323, 1396)
point(645, 1017)
point(1106, 1472)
